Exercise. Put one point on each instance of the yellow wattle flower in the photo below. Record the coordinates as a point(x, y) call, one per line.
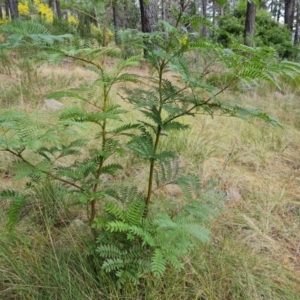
point(95, 29)
point(110, 33)
point(3, 21)
point(23, 8)
point(72, 19)
point(184, 40)
point(46, 12)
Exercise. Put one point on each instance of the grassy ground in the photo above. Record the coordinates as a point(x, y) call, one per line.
point(254, 251)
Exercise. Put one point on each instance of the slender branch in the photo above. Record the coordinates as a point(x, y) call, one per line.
point(99, 171)
point(83, 60)
point(158, 132)
point(204, 102)
point(19, 155)
point(221, 90)
point(83, 12)
point(93, 202)
point(228, 158)
point(87, 61)
point(182, 9)
point(176, 93)
point(162, 66)
point(151, 172)
point(91, 103)
point(205, 69)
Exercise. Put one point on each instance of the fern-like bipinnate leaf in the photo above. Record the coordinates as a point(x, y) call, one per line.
point(23, 33)
point(113, 264)
point(166, 172)
point(110, 251)
point(17, 203)
point(143, 144)
point(158, 263)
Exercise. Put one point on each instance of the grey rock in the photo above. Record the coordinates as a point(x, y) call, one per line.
point(52, 105)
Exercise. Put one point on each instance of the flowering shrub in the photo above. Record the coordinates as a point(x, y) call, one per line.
point(23, 8)
point(44, 10)
point(72, 19)
point(184, 40)
point(95, 30)
point(3, 21)
point(110, 34)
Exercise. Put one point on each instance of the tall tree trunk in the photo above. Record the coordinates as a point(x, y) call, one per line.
point(7, 9)
point(204, 13)
point(296, 37)
point(13, 9)
point(221, 10)
point(250, 24)
point(289, 13)
point(148, 15)
point(1, 14)
point(116, 18)
point(58, 9)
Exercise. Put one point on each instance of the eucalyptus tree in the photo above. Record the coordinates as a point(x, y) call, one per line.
point(149, 15)
point(58, 9)
point(6, 4)
point(11, 8)
point(250, 23)
point(289, 11)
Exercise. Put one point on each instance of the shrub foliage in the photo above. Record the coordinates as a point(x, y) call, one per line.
point(135, 235)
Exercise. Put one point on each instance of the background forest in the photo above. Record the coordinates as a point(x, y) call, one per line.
point(149, 150)
point(255, 23)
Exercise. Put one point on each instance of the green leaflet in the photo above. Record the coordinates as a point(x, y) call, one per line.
point(158, 263)
point(17, 203)
point(29, 33)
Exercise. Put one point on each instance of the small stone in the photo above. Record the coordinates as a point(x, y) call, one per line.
point(52, 105)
